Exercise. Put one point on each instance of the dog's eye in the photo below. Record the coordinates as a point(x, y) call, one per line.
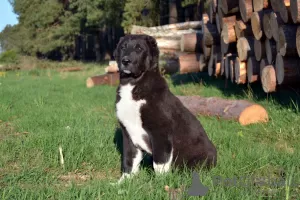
point(139, 48)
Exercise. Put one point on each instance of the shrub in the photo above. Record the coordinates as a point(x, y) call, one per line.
point(9, 57)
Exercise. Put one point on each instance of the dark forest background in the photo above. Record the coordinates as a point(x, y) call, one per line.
point(86, 30)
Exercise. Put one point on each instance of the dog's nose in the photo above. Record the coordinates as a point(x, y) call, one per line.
point(125, 61)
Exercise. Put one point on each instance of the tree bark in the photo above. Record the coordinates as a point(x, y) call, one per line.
point(242, 111)
point(295, 11)
point(268, 79)
point(287, 70)
point(111, 79)
point(245, 48)
point(246, 9)
point(191, 42)
point(256, 23)
point(253, 70)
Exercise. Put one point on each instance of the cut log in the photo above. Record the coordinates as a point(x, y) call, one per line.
point(206, 50)
point(263, 63)
point(253, 70)
point(242, 29)
point(259, 5)
point(286, 44)
point(298, 40)
point(276, 22)
point(189, 63)
point(210, 34)
point(223, 65)
point(271, 51)
point(228, 33)
point(202, 63)
point(245, 48)
point(191, 42)
point(242, 111)
point(229, 6)
point(232, 69)
point(295, 11)
point(112, 68)
point(168, 43)
point(257, 24)
point(246, 9)
point(268, 79)
point(275, 4)
point(111, 79)
point(240, 71)
point(267, 24)
point(211, 12)
point(218, 23)
point(217, 64)
point(225, 48)
point(259, 49)
point(215, 50)
point(287, 70)
point(284, 10)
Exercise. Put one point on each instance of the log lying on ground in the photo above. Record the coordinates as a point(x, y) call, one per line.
point(287, 70)
point(246, 9)
point(295, 10)
point(210, 34)
point(168, 43)
point(298, 40)
point(259, 49)
point(286, 44)
point(245, 48)
point(242, 111)
point(276, 22)
point(111, 79)
point(253, 70)
point(191, 42)
point(268, 79)
point(267, 24)
point(229, 6)
point(169, 27)
point(240, 71)
point(242, 29)
point(259, 5)
point(271, 51)
point(257, 24)
point(191, 63)
point(112, 69)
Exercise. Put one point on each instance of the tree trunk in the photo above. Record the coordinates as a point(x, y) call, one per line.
point(246, 9)
point(286, 44)
point(268, 79)
point(111, 79)
point(271, 51)
point(191, 42)
point(245, 48)
point(242, 111)
point(242, 29)
point(295, 11)
point(253, 70)
point(287, 70)
point(256, 23)
point(259, 49)
point(259, 5)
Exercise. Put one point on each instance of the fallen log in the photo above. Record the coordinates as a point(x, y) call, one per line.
point(229, 6)
point(259, 50)
point(286, 44)
point(241, 111)
point(246, 9)
point(268, 79)
point(295, 11)
point(287, 70)
point(168, 43)
point(253, 70)
point(259, 5)
point(271, 51)
point(191, 42)
point(276, 22)
point(257, 24)
point(240, 71)
point(245, 48)
point(191, 63)
point(111, 79)
point(242, 29)
point(112, 69)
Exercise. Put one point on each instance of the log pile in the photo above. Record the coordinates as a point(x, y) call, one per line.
point(252, 41)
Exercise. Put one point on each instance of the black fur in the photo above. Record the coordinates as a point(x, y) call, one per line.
point(165, 119)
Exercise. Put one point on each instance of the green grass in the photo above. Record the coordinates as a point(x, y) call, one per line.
point(41, 110)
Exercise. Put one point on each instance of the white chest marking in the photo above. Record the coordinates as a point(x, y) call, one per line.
point(128, 112)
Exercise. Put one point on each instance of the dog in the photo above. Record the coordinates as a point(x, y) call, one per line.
point(152, 119)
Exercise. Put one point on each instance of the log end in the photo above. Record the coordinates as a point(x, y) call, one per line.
point(268, 79)
point(253, 114)
point(89, 83)
point(256, 25)
point(279, 68)
point(294, 8)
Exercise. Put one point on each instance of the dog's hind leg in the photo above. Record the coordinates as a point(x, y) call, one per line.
point(132, 157)
point(162, 156)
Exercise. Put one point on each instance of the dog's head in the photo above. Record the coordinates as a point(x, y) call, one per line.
point(136, 54)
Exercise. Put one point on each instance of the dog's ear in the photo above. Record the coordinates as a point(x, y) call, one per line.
point(153, 49)
point(116, 51)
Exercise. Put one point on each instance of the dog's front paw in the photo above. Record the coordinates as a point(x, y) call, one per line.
point(122, 179)
point(161, 168)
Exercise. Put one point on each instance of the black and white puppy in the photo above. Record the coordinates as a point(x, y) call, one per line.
point(153, 120)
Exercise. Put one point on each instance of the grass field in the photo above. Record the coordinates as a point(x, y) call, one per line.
point(41, 110)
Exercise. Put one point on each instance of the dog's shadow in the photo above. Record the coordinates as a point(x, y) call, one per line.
point(118, 141)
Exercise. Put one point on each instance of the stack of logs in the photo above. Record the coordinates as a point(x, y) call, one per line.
point(251, 40)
